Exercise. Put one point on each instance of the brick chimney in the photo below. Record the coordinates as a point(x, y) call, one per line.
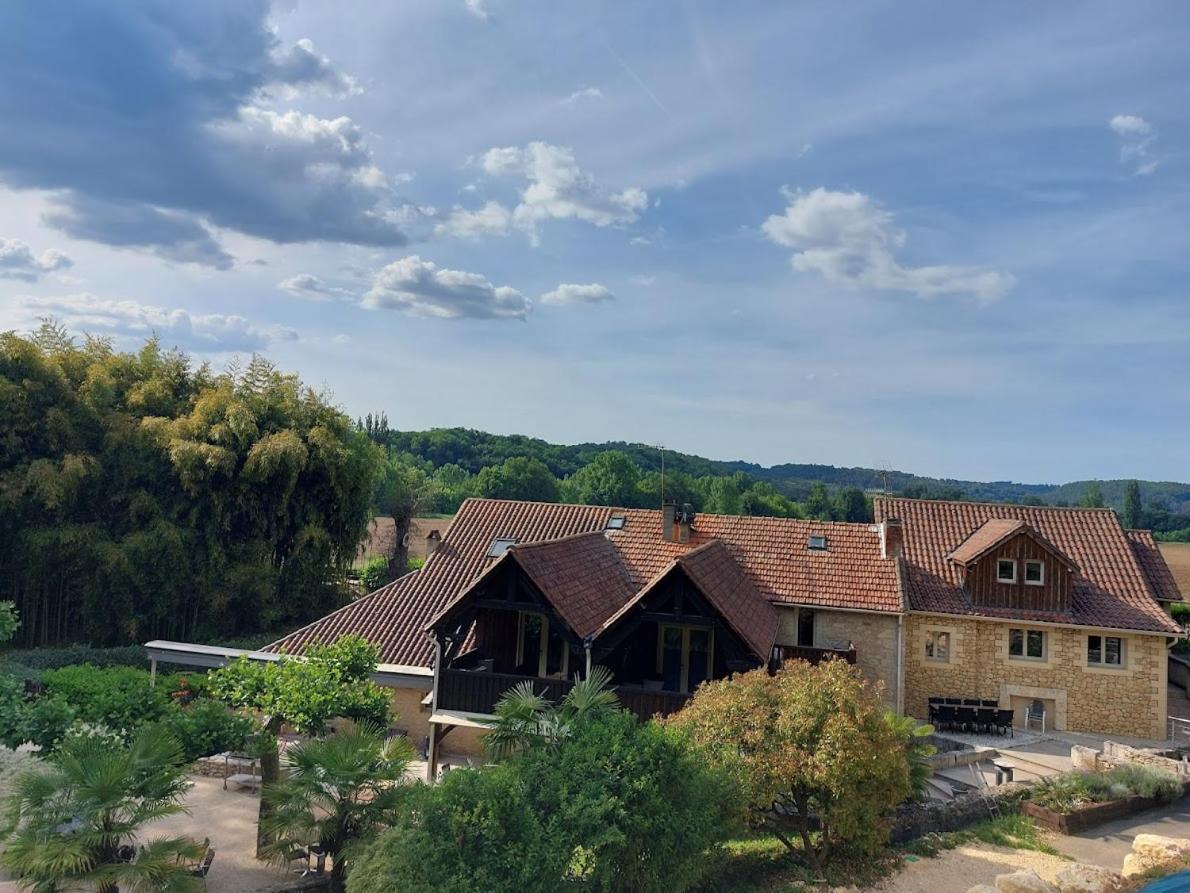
point(892, 538)
point(433, 539)
point(667, 521)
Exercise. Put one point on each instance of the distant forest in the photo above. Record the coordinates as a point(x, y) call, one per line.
point(461, 462)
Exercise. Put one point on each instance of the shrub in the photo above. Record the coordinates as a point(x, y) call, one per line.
point(810, 749)
point(52, 658)
point(374, 573)
point(120, 698)
point(206, 727)
point(1073, 790)
point(46, 721)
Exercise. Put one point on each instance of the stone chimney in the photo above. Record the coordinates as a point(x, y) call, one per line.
point(667, 521)
point(892, 538)
point(433, 540)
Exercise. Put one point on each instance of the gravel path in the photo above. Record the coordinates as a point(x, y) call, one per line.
point(957, 870)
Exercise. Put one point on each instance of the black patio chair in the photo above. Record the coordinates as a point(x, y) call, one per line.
point(985, 718)
point(946, 717)
point(970, 702)
point(966, 718)
point(954, 701)
point(203, 868)
point(934, 700)
point(1004, 722)
point(989, 703)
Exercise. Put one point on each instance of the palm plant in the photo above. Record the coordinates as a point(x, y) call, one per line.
point(917, 751)
point(525, 719)
point(339, 790)
point(75, 821)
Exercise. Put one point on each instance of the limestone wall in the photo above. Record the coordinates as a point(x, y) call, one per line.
point(1127, 701)
point(874, 636)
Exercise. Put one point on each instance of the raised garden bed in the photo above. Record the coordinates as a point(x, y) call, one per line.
point(1089, 816)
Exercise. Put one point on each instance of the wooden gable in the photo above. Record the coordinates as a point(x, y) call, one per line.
point(1053, 593)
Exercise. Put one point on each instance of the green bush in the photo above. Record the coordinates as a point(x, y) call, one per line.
point(46, 721)
point(374, 573)
point(617, 806)
point(1072, 790)
point(206, 727)
point(120, 698)
point(52, 658)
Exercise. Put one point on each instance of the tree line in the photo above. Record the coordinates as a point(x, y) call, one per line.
point(143, 497)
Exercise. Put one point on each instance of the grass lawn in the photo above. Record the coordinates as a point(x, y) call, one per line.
point(760, 862)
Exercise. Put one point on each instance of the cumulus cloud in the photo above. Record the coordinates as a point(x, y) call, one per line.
point(1136, 139)
point(311, 287)
point(199, 332)
point(585, 93)
point(850, 240)
point(555, 189)
point(477, 8)
point(493, 219)
point(17, 261)
point(181, 130)
point(569, 293)
point(420, 287)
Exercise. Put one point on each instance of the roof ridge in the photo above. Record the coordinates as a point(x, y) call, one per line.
point(1012, 505)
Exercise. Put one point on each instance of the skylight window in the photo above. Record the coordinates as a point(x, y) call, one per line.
point(816, 544)
point(500, 545)
point(615, 523)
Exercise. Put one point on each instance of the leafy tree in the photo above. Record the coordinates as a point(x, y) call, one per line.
point(9, 621)
point(71, 824)
point(452, 485)
point(810, 749)
point(818, 503)
point(1093, 496)
point(303, 692)
point(141, 497)
point(524, 719)
point(375, 573)
point(852, 505)
point(724, 495)
point(518, 478)
point(1133, 508)
point(403, 491)
point(338, 791)
point(611, 478)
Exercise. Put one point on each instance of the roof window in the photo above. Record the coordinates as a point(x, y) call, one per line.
point(500, 545)
point(816, 544)
point(615, 523)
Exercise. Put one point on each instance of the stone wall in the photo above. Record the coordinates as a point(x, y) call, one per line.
point(912, 820)
point(410, 715)
point(874, 636)
point(1130, 701)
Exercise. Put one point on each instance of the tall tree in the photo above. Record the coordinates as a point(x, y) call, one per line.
point(518, 478)
point(1093, 496)
point(852, 505)
point(611, 478)
point(1133, 507)
point(818, 503)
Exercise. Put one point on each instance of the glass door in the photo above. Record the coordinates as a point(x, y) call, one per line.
point(685, 656)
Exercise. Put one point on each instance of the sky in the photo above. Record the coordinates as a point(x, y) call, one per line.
point(946, 238)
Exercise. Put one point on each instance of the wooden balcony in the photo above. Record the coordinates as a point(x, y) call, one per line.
point(471, 691)
point(813, 656)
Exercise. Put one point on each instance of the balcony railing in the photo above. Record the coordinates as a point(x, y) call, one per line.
point(815, 656)
point(470, 691)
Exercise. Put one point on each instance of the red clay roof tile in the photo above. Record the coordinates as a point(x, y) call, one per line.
point(1161, 578)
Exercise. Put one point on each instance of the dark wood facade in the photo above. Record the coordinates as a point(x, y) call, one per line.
point(1053, 594)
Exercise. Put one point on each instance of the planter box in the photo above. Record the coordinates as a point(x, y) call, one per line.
point(1088, 816)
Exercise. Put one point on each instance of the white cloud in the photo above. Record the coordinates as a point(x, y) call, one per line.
point(477, 8)
point(419, 287)
point(558, 189)
point(199, 332)
point(17, 261)
point(1136, 137)
point(311, 287)
point(301, 66)
point(585, 93)
point(568, 293)
point(493, 219)
point(850, 240)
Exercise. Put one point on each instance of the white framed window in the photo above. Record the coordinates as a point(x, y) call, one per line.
point(1034, 572)
point(1027, 644)
point(1105, 651)
point(1005, 570)
point(938, 646)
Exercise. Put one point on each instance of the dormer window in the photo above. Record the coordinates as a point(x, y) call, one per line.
point(615, 523)
point(1005, 570)
point(816, 544)
point(500, 545)
point(1034, 573)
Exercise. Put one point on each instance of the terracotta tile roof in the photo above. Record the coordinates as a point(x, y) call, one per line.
point(995, 531)
point(773, 553)
point(581, 575)
point(1160, 575)
point(1110, 589)
point(721, 579)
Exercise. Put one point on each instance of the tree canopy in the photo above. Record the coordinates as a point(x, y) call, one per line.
point(144, 497)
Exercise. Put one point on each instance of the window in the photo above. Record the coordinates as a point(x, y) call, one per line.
point(816, 544)
point(1034, 573)
point(500, 545)
point(805, 627)
point(541, 646)
point(685, 656)
point(1105, 651)
point(1026, 644)
point(938, 646)
point(1005, 570)
point(616, 523)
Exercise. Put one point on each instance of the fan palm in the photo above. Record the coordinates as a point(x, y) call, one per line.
point(917, 751)
point(72, 822)
point(525, 719)
point(339, 790)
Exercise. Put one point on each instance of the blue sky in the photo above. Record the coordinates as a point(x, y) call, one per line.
point(945, 238)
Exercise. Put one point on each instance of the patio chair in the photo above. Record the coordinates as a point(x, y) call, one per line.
point(990, 703)
point(970, 702)
point(933, 700)
point(954, 701)
point(947, 717)
point(1035, 712)
point(204, 867)
point(967, 718)
point(1004, 722)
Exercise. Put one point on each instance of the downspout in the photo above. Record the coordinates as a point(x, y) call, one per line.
point(432, 743)
point(901, 664)
point(587, 649)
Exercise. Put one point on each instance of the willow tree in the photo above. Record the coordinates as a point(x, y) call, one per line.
point(143, 496)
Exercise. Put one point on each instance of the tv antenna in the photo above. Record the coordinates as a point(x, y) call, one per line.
point(661, 450)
